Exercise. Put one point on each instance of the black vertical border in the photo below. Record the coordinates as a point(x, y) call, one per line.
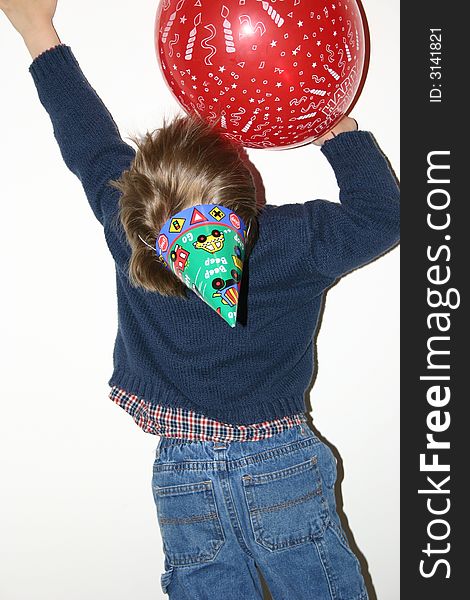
point(425, 127)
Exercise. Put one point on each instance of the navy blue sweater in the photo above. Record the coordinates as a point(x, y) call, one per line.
point(177, 352)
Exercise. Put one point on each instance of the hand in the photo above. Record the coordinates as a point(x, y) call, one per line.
point(346, 124)
point(29, 16)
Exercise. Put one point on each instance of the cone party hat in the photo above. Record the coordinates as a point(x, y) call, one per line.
point(204, 246)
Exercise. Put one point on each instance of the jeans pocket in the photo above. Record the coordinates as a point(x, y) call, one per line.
point(287, 507)
point(189, 522)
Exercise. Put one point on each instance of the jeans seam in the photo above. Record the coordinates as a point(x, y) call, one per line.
point(324, 563)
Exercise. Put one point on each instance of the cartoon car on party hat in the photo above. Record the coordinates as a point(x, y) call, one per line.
point(210, 243)
point(180, 257)
point(227, 290)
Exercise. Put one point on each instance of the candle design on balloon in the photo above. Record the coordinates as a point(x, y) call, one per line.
point(314, 91)
point(251, 121)
point(348, 51)
point(228, 34)
point(275, 16)
point(333, 73)
point(171, 20)
point(303, 117)
point(192, 37)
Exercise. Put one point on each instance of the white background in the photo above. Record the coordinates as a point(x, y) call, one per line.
point(77, 518)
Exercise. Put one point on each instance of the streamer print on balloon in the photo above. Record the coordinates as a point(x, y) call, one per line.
point(268, 74)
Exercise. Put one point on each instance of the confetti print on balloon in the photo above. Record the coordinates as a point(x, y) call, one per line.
point(228, 35)
point(171, 20)
point(213, 117)
point(275, 16)
point(236, 137)
point(261, 124)
point(341, 62)
point(192, 37)
point(303, 126)
point(297, 101)
point(172, 43)
point(331, 54)
point(317, 79)
point(204, 44)
point(236, 116)
point(350, 33)
point(216, 78)
point(263, 134)
point(247, 28)
point(201, 105)
point(312, 106)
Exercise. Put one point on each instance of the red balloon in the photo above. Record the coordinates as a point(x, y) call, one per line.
point(268, 74)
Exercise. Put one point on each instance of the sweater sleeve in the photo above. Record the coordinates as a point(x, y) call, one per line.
point(366, 221)
point(88, 137)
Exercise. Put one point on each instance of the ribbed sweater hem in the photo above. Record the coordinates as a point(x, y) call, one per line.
point(244, 413)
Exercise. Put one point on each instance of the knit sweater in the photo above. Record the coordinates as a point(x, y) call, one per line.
point(175, 351)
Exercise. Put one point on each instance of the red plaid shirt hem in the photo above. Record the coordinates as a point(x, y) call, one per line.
point(183, 423)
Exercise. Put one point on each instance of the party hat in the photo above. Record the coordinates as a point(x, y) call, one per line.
point(204, 246)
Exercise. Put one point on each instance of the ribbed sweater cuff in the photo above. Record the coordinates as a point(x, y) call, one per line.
point(355, 152)
point(348, 143)
point(51, 60)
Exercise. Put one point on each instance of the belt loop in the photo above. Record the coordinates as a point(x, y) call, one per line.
point(220, 445)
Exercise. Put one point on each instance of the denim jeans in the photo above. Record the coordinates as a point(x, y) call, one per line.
point(225, 508)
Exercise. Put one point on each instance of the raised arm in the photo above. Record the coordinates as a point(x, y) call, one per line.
point(366, 222)
point(88, 138)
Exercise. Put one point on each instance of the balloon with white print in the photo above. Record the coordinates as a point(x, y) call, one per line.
point(266, 73)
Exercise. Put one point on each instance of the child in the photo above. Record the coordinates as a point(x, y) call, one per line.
point(240, 481)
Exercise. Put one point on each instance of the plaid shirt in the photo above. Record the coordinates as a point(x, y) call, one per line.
point(183, 423)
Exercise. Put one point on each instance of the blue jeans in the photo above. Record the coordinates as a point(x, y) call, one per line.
point(225, 508)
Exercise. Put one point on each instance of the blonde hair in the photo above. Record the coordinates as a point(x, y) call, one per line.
point(183, 163)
